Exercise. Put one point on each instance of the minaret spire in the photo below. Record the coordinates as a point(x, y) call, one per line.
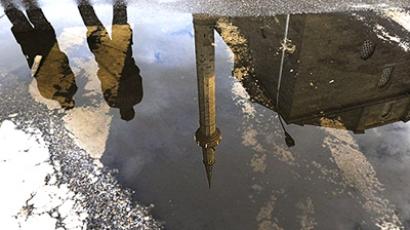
point(207, 136)
point(208, 169)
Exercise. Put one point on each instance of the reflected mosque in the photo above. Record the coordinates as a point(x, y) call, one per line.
point(341, 71)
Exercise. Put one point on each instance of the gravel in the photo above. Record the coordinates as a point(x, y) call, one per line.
point(263, 7)
point(108, 204)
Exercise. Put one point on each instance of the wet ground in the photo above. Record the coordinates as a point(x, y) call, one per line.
point(143, 117)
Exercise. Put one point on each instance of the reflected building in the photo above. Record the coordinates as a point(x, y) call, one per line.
point(120, 78)
point(307, 68)
point(326, 66)
point(208, 135)
point(49, 65)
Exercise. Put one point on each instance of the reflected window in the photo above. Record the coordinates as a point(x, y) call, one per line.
point(368, 49)
point(385, 77)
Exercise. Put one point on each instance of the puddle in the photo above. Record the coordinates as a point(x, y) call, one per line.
point(157, 117)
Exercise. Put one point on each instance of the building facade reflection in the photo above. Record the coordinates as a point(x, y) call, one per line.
point(325, 67)
point(335, 66)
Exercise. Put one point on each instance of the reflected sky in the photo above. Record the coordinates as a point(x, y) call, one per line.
point(338, 81)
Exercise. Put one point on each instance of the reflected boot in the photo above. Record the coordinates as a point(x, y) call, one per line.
point(120, 14)
point(38, 19)
point(88, 15)
point(19, 21)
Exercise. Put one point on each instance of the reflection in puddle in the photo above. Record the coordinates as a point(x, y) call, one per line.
point(121, 83)
point(55, 79)
point(345, 72)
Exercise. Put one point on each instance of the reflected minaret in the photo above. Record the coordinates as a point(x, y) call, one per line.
point(208, 135)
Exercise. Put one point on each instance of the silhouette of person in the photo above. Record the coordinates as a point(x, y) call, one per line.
point(55, 79)
point(120, 78)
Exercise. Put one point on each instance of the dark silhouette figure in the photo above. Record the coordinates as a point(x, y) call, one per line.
point(50, 66)
point(120, 78)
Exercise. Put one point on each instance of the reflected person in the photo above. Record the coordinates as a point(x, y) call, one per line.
point(120, 78)
point(37, 38)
